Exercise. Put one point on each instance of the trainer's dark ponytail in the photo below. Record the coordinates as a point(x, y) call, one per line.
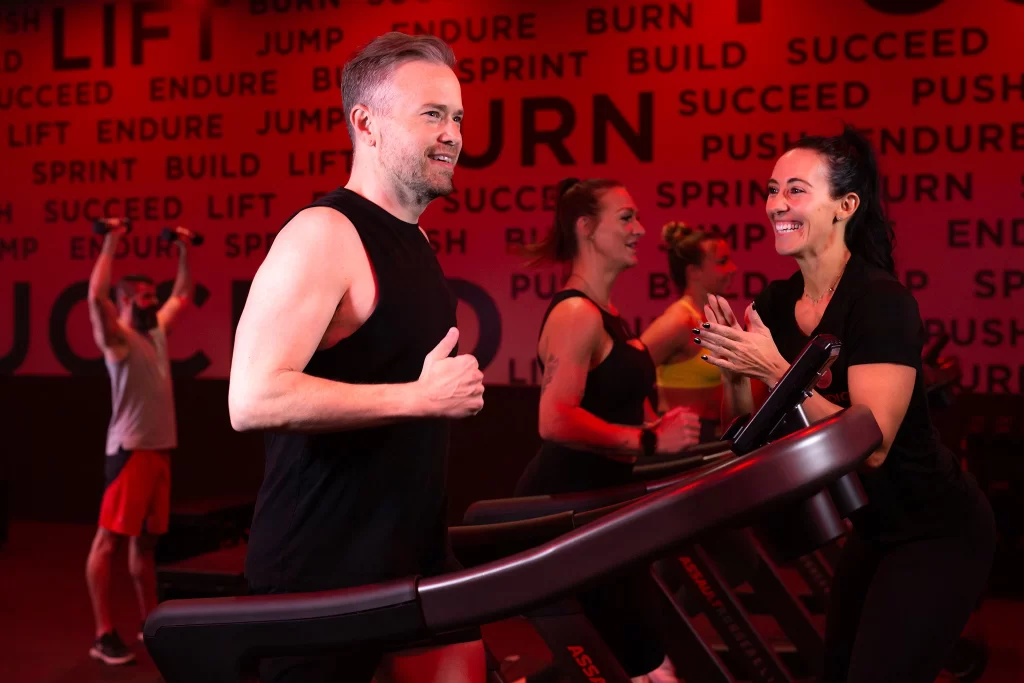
point(576, 198)
point(852, 167)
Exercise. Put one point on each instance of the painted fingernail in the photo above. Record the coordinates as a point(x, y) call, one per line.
point(704, 357)
point(696, 331)
point(753, 306)
point(706, 326)
point(696, 340)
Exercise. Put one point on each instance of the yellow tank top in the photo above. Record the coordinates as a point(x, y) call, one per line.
point(692, 373)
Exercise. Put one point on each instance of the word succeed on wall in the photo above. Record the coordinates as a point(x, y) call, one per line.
point(226, 118)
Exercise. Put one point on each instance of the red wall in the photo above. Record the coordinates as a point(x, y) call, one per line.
point(551, 89)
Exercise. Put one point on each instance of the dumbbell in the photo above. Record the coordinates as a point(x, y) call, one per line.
point(181, 234)
point(104, 225)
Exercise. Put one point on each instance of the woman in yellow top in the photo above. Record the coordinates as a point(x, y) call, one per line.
point(699, 264)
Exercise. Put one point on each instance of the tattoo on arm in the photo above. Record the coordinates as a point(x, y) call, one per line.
point(550, 366)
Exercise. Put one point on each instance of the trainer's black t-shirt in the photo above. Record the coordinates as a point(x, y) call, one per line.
point(367, 505)
point(919, 491)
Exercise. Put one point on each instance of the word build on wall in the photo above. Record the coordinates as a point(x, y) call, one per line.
point(225, 117)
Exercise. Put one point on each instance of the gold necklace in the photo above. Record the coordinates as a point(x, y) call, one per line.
point(828, 291)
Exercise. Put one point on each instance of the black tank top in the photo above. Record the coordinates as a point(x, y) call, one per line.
point(355, 507)
point(615, 392)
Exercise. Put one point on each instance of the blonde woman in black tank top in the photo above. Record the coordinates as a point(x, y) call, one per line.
point(598, 395)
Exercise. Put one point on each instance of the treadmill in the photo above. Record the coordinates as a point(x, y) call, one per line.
point(942, 377)
point(221, 639)
point(694, 582)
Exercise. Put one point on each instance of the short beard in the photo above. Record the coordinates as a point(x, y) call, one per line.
point(410, 181)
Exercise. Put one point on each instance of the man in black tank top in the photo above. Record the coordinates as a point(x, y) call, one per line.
point(345, 357)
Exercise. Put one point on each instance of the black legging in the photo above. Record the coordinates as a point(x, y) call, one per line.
point(896, 611)
point(619, 607)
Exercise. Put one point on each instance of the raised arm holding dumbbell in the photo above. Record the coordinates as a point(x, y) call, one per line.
point(142, 431)
point(182, 291)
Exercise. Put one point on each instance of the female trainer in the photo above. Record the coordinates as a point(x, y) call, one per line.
point(598, 379)
point(920, 552)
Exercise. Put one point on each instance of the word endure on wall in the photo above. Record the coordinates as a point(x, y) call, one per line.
point(225, 117)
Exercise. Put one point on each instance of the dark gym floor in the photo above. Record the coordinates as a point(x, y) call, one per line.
point(46, 623)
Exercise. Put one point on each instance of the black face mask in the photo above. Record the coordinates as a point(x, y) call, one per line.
point(144, 319)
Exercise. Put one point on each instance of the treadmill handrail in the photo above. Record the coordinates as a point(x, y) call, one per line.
point(790, 391)
point(666, 468)
point(764, 478)
point(689, 460)
point(478, 544)
point(497, 511)
point(695, 451)
point(219, 633)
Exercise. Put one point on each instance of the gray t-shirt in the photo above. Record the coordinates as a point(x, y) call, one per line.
point(142, 396)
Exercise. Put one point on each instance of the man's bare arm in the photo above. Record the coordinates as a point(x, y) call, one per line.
point(293, 298)
point(106, 330)
point(180, 295)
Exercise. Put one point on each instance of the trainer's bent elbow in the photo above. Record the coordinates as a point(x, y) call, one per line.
point(240, 419)
point(242, 410)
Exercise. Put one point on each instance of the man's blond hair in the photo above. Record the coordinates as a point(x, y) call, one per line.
point(365, 77)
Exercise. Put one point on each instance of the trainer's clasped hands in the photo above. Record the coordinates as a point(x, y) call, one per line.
point(738, 352)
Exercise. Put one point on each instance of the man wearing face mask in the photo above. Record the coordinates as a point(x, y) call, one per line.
point(141, 434)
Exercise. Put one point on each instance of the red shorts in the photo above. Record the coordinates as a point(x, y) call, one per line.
point(137, 499)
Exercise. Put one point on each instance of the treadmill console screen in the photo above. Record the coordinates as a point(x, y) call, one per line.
point(790, 392)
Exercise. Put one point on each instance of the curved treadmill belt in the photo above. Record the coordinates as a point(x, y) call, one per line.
point(219, 639)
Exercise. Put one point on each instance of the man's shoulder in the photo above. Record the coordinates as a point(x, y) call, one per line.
point(313, 218)
point(319, 248)
point(334, 210)
point(320, 229)
point(117, 353)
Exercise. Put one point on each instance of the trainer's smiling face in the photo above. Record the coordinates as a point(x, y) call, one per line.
point(805, 217)
point(421, 131)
